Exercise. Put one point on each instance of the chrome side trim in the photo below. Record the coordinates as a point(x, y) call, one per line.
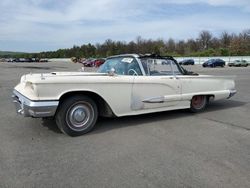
point(162, 99)
point(154, 100)
point(29, 108)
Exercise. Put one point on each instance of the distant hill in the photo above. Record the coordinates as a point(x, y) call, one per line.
point(7, 53)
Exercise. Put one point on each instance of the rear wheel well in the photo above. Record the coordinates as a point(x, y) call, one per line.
point(103, 107)
point(210, 97)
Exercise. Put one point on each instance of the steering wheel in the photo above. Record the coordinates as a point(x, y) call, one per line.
point(133, 72)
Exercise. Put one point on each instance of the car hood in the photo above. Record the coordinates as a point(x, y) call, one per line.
point(41, 77)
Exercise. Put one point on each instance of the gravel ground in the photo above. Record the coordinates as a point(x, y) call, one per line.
point(168, 149)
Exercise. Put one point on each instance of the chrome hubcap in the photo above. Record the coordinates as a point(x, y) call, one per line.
point(79, 116)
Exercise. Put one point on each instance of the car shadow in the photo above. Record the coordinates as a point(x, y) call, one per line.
point(223, 104)
point(107, 124)
point(50, 123)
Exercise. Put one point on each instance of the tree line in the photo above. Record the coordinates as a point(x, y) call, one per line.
point(226, 44)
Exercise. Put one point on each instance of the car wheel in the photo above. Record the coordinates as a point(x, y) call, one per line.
point(76, 115)
point(198, 103)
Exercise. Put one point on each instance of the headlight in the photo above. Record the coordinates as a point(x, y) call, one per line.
point(23, 78)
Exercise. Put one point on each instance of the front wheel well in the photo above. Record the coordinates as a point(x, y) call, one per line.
point(103, 107)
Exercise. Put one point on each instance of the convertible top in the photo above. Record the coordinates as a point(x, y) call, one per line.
point(156, 56)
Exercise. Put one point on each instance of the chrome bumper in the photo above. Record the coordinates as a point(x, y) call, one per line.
point(232, 93)
point(28, 108)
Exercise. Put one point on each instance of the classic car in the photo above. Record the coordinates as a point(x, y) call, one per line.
point(124, 85)
point(186, 62)
point(214, 63)
point(238, 63)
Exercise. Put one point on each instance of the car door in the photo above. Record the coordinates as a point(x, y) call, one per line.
point(159, 88)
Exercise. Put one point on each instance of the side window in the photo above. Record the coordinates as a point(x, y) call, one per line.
point(158, 67)
point(176, 69)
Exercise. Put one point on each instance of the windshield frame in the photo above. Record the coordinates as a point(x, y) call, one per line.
point(138, 58)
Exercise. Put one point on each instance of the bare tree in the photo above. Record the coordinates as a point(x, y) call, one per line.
point(225, 39)
point(180, 47)
point(191, 46)
point(215, 43)
point(170, 44)
point(205, 39)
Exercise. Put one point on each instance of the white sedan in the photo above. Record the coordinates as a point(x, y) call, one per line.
point(124, 85)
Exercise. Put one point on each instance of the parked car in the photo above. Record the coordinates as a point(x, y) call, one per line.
point(3, 60)
point(35, 59)
point(98, 62)
point(43, 60)
point(214, 63)
point(77, 59)
point(10, 60)
point(21, 60)
point(238, 63)
point(187, 62)
point(124, 85)
point(16, 60)
point(89, 62)
point(28, 60)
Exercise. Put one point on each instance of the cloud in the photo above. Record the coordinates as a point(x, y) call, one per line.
point(67, 22)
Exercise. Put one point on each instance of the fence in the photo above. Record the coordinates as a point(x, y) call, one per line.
point(197, 60)
point(227, 59)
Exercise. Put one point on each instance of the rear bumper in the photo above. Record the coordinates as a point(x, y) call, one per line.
point(232, 93)
point(29, 108)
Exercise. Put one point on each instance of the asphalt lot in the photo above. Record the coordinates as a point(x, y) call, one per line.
point(168, 149)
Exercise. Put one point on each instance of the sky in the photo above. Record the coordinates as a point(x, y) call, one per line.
point(45, 25)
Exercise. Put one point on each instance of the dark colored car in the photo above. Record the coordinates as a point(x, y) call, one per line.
point(28, 60)
point(88, 62)
point(21, 60)
point(17, 60)
point(214, 63)
point(35, 59)
point(187, 62)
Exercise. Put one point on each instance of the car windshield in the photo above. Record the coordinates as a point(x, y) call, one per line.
point(121, 65)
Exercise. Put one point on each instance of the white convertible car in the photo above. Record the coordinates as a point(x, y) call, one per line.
point(124, 85)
